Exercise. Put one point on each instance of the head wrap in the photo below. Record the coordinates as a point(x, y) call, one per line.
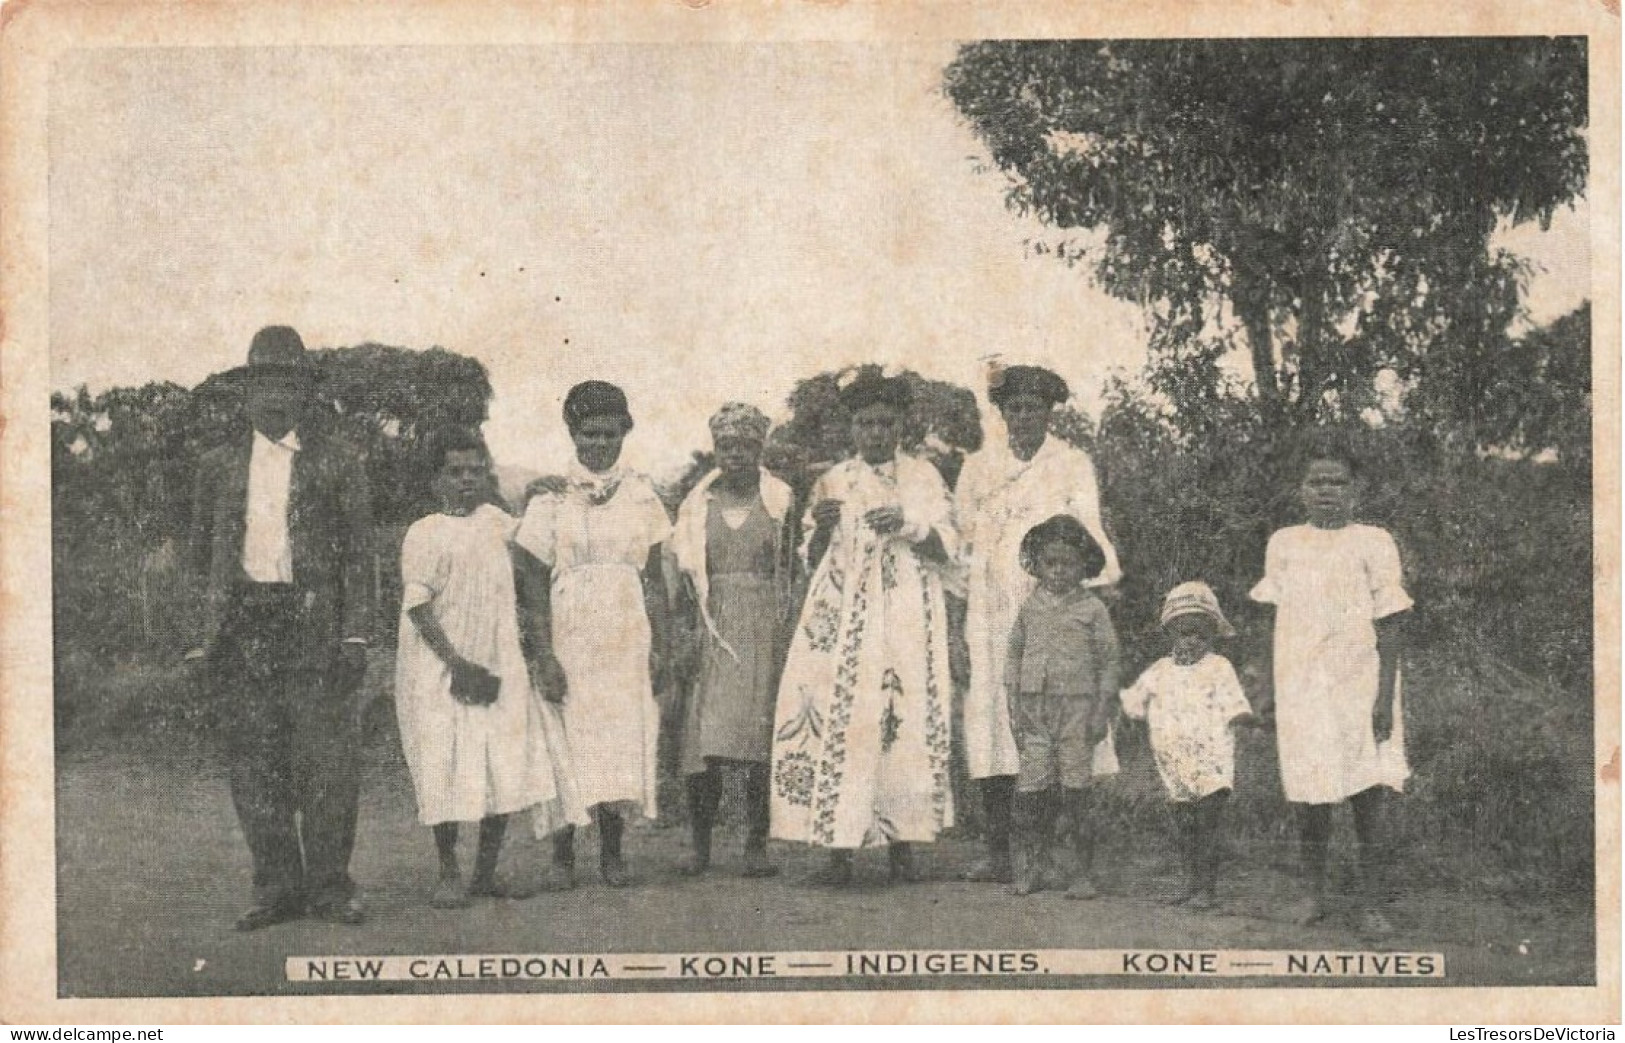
point(594, 398)
point(740, 420)
point(1065, 529)
point(1036, 381)
point(1195, 599)
point(869, 386)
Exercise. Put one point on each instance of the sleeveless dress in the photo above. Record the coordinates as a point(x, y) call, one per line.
point(731, 712)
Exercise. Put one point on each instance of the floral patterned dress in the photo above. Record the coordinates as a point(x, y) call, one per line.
point(861, 733)
point(1188, 710)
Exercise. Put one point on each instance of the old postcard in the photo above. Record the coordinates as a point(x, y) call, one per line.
point(801, 512)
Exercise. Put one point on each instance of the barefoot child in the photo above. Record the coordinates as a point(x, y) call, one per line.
point(1340, 608)
point(1191, 701)
point(1061, 676)
point(471, 726)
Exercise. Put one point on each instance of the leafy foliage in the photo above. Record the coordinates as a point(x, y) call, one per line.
point(123, 464)
point(1329, 202)
point(943, 423)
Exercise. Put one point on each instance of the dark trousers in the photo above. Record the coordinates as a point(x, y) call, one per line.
point(293, 749)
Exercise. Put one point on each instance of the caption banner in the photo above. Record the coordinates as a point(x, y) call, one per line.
point(1180, 963)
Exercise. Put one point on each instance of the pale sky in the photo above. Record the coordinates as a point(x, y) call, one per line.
point(694, 222)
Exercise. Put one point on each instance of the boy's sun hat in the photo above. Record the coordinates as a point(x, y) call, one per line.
point(1195, 598)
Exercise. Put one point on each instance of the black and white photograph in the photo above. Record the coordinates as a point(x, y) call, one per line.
point(946, 511)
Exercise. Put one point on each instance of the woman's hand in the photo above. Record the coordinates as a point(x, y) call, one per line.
point(547, 485)
point(547, 675)
point(472, 684)
point(1096, 730)
point(1382, 717)
point(827, 514)
point(659, 679)
point(886, 521)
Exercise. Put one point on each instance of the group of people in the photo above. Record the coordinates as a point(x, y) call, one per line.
point(817, 630)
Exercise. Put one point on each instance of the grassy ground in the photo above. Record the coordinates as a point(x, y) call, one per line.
point(152, 871)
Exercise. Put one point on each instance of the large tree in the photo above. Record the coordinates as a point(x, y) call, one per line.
point(1328, 203)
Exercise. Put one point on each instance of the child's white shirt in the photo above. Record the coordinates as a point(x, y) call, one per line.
point(1188, 710)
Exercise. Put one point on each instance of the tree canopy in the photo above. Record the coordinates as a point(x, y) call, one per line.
point(123, 464)
point(1329, 203)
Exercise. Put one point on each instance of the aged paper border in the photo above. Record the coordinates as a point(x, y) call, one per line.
point(35, 32)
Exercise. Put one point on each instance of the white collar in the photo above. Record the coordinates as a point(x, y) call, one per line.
point(289, 441)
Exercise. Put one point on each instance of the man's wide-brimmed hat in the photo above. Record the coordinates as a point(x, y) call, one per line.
point(1195, 599)
point(278, 349)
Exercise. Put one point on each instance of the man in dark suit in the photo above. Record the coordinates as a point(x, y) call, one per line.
point(280, 542)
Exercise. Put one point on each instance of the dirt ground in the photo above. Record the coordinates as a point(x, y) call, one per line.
point(152, 872)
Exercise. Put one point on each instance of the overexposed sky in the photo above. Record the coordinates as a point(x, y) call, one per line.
point(694, 222)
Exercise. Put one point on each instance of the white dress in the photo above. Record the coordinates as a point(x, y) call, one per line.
point(863, 722)
point(601, 630)
point(999, 499)
point(1329, 586)
point(1188, 710)
point(468, 762)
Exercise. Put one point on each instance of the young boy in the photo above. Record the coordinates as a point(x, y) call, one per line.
point(1061, 679)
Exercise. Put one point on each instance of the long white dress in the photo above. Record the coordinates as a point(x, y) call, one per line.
point(862, 726)
point(1329, 586)
point(601, 630)
point(1000, 498)
point(468, 762)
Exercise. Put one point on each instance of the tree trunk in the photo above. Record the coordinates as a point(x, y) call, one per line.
point(1250, 297)
point(1312, 372)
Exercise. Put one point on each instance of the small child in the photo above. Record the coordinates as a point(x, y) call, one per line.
point(1191, 701)
point(1340, 612)
point(475, 734)
point(1061, 679)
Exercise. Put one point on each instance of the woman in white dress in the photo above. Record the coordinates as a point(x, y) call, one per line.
point(862, 729)
point(479, 742)
point(596, 537)
point(1003, 492)
point(1340, 618)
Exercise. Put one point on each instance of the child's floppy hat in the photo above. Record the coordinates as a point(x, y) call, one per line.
point(1195, 598)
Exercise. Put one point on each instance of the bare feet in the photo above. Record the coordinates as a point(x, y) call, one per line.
point(989, 871)
point(757, 866)
point(1307, 911)
point(901, 867)
point(501, 888)
point(837, 872)
point(560, 878)
point(1375, 925)
point(450, 893)
point(615, 874)
point(1182, 896)
point(1083, 888)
